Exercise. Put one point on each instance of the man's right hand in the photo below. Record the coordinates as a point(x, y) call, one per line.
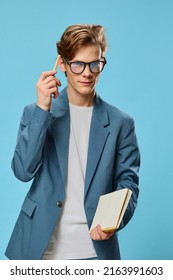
point(47, 86)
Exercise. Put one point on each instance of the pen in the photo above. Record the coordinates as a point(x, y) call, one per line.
point(56, 63)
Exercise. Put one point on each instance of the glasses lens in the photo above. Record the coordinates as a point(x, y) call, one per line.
point(96, 66)
point(77, 67)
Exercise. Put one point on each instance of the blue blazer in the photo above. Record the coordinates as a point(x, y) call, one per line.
point(41, 154)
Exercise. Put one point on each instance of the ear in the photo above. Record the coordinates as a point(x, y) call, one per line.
point(62, 65)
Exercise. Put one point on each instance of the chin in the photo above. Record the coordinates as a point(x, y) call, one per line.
point(87, 91)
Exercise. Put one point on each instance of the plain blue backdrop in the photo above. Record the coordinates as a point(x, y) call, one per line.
point(138, 79)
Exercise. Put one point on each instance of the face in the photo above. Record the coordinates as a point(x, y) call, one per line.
point(81, 87)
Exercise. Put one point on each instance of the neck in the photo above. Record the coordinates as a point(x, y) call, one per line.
point(81, 100)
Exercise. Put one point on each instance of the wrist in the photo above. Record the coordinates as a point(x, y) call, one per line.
point(43, 107)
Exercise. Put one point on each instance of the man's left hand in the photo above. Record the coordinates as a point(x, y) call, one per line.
point(97, 234)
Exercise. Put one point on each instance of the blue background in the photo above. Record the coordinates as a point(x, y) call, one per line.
point(138, 79)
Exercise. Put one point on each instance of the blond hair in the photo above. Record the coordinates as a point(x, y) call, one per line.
point(80, 35)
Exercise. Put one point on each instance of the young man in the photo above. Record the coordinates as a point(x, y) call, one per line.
point(76, 147)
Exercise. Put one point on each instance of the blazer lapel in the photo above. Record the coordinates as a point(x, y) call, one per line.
point(60, 129)
point(97, 139)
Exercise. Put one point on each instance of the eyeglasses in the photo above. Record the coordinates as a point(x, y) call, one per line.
point(77, 67)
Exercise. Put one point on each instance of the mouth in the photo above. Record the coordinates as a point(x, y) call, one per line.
point(86, 83)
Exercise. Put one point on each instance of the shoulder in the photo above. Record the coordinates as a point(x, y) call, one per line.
point(120, 123)
point(118, 113)
point(32, 111)
point(114, 113)
point(28, 111)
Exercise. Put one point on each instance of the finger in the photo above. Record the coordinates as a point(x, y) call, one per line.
point(52, 79)
point(44, 75)
point(94, 234)
point(103, 235)
point(58, 82)
point(100, 232)
point(51, 84)
point(53, 92)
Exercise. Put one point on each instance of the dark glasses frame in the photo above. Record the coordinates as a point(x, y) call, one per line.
point(85, 64)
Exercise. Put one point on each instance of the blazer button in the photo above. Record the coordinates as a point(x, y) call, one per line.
point(59, 204)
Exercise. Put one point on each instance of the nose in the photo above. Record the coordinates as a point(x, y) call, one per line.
point(87, 72)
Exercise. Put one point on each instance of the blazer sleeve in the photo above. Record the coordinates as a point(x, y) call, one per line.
point(127, 169)
point(27, 157)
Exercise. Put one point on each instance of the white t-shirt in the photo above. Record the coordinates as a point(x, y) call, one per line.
point(71, 239)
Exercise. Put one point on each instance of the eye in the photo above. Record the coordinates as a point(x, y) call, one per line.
point(77, 64)
point(77, 67)
point(95, 65)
